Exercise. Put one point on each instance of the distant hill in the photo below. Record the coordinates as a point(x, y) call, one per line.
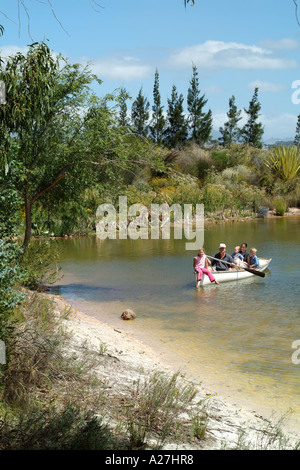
point(276, 142)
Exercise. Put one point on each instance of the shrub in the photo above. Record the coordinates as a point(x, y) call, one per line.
point(69, 428)
point(154, 408)
point(216, 197)
point(279, 205)
point(284, 163)
point(195, 161)
point(40, 261)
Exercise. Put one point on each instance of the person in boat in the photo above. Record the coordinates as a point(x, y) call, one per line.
point(221, 257)
point(236, 255)
point(244, 253)
point(254, 261)
point(201, 267)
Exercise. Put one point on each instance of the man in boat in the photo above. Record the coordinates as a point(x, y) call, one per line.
point(221, 257)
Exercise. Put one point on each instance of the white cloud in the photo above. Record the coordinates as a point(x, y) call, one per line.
point(219, 54)
point(7, 51)
point(285, 44)
point(266, 86)
point(125, 68)
point(276, 126)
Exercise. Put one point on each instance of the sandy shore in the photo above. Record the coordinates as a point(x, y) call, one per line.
point(131, 360)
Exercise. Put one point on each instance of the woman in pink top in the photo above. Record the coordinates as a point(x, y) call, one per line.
point(201, 266)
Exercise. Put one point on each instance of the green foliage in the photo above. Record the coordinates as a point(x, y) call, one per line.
point(40, 263)
point(176, 129)
point(154, 408)
point(279, 205)
point(158, 120)
point(10, 254)
point(69, 428)
point(220, 160)
point(200, 123)
point(230, 132)
point(284, 163)
point(252, 132)
point(140, 114)
point(297, 134)
point(216, 197)
point(42, 115)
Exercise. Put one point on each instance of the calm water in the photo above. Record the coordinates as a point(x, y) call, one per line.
point(236, 337)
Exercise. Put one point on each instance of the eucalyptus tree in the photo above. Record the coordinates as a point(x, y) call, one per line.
point(41, 125)
point(200, 122)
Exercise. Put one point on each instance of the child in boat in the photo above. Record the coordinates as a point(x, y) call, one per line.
point(200, 264)
point(237, 257)
point(254, 261)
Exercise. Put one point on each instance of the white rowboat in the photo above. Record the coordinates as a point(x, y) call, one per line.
point(235, 274)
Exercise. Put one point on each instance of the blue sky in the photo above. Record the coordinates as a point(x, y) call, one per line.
point(236, 45)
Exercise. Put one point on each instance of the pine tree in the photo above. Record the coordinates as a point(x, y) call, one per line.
point(140, 114)
point(200, 123)
point(123, 119)
point(297, 135)
point(230, 132)
point(253, 131)
point(158, 120)
point(176, 131)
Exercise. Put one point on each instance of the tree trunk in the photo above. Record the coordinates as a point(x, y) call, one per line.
point(27, 237)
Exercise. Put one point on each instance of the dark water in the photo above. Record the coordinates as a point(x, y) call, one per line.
point(236, 336)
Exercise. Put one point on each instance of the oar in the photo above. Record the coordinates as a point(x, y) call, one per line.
point(250, 270)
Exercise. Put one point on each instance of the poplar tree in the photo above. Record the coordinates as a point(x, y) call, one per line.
point(123, 119)
point(230, 132)
point(253, 131)
point(297, 135)
point(200, 123)
point(158, 120)
point(140, 114)
point(176, 131)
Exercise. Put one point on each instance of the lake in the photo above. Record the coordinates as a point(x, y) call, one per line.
point(235, 337)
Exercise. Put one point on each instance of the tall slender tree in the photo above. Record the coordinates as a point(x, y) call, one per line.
point(140, 114)
point(123, 118)
point(158, 120)
point(297, 135)
point(200, 123)
point(176, 130)
point(253, 131)
point(230, 132)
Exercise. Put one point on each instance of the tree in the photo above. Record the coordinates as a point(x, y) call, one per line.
point(252, 132)
point(297, 135)
point(123, 118)
point(41, 125)
point(158, 120)
point(176, 130)
point(230, 132)
point(140, 114)
point(200, 123)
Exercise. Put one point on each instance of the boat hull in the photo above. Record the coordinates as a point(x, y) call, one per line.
point(235, 274)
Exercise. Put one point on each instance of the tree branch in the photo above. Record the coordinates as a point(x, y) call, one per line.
point(62, 175)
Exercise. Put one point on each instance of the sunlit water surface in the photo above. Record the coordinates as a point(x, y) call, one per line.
point(236, 337)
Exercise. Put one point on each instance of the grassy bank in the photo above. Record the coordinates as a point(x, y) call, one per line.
point(72, 382)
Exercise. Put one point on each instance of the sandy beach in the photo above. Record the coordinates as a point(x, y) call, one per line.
point(131, 360)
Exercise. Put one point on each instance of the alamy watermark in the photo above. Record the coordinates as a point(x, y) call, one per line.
point(2, 92)
point(2, 352)
point(136, 221)
point(296, 354)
